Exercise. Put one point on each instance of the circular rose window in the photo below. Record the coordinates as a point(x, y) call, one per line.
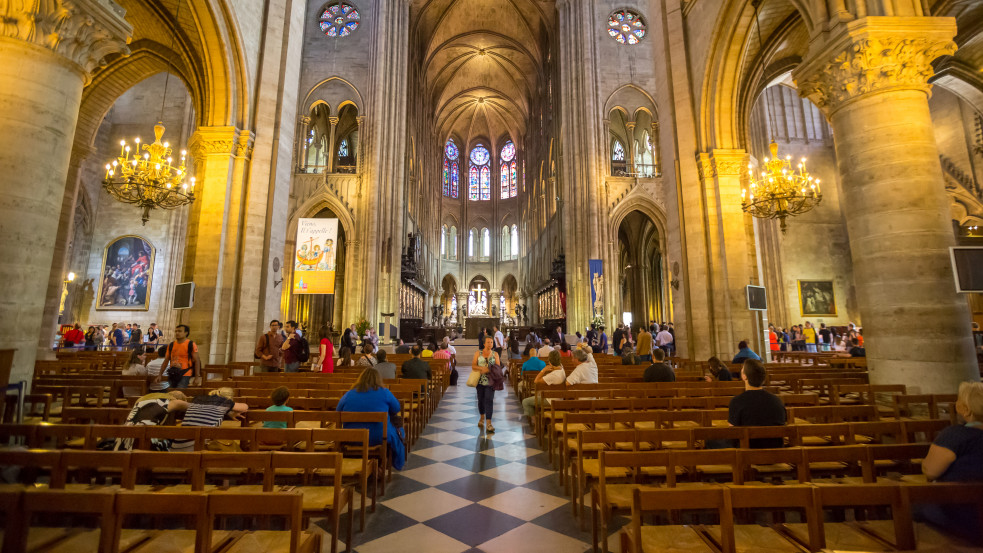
point(626, 26)
point(339, 19)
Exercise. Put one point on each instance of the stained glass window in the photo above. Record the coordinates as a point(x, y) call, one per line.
point(505, 180)
point(508, 151)
point(506, 243)
point(618, 152)
point(454, 179)
point(480, 155)
point(485, 183)
point(343, 148)
point(626, 26)
point(446, 182)
point(473, 184)
point(514, 185)
point(339, 19)
point(450, 149)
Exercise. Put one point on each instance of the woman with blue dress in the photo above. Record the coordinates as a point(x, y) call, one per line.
point(369, 396)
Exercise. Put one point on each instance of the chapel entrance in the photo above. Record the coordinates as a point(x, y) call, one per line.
point(643, 294)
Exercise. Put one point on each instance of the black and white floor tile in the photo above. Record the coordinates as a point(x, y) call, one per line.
point(465, 490)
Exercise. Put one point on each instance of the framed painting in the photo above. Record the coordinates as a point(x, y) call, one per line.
point(127, 268)
point(816, 298)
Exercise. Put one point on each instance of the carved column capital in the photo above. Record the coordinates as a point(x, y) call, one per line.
point(333, 120)
point(874, 55)
point(244, 144)
point(83, 32)
point(210, 141)
point(704, 166)
point(729, 163)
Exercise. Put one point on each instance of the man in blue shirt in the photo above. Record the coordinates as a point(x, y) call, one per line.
point(534, 363)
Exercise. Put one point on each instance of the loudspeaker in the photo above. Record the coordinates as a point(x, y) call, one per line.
point(184, 295)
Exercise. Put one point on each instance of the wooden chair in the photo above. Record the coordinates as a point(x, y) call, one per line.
point(171, 471)
point(611, 495)
point(862, 497)
point(43, 503)
point(354, 442)
point(328, 500)
point(781, 498)
point(636, 538)
point(257, 418)
point(379, 452)
point(35, 465)
point(783, 465)
point(60, 436)
point(191, 506)
point(84, 470)
point(280, 504)
point(245, 468)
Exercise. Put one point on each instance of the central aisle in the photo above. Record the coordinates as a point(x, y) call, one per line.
point(465, 490)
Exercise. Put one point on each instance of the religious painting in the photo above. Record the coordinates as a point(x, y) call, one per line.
point(816, 298)
point(127, 268)
point(315, 258)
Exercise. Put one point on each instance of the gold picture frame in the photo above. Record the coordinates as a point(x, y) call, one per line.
point(126, 261)
point(817, 298)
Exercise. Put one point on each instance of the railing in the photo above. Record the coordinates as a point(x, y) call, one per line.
point(344, 169)
point(966, 181)
point(639, 171)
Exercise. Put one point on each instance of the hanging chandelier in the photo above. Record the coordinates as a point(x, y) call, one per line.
point(151, 180)
point(780, 191)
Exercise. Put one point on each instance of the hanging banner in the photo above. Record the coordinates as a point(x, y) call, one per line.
point(595, 267)
point(315, 257)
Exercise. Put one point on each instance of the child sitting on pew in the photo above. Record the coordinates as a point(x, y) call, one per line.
point(279, 397)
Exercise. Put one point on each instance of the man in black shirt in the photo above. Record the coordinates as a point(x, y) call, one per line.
point(756, 406)
point(619, 333)
point(659, 371)
point(401, 347)
point(416, 367)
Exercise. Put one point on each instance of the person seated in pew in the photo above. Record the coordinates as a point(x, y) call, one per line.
point(628, 356)
point(345, 357)
point(416, 368)
point(565, 350)
point(756, 406)
point(744, 352)
point(153, 371)
point(368, 358)
point(279, 397)
point(387, 369)
point(552, 374)
point(152, 410)
point(135, 366)
point(856, 350)
point(369, 396)
point(956, 455)
point(659, 371)
point(209, 410)
point(718, 371)
point(534, 363)
point(586, 371)
point(401, 347)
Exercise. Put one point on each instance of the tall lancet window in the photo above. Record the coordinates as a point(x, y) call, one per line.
point(451, 170)
point(479, 175)
point(508, 167)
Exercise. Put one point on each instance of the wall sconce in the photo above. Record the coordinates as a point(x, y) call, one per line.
point(71, 276)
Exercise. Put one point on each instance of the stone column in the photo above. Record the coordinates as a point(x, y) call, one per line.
point(630, 166)
point(213, 232)
point(870, 78)
point(331, 144)
point(47, 51)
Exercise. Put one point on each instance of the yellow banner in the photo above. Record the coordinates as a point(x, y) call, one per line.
point(315, 256)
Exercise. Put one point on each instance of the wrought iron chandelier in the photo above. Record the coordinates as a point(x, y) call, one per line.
point(780, 191)
point(150, 181)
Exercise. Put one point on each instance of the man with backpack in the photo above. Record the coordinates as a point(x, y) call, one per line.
point(295, 349)
point(268, 350)
point(182, 356)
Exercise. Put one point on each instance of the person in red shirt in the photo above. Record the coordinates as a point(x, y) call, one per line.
point(325, 350)
point(772, 338)
point(74, 336)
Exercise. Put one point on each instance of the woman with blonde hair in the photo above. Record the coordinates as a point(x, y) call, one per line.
point(956, 455)
point(368, 395)
point(209, 410)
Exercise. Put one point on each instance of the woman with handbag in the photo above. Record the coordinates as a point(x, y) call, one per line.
point(485, 362)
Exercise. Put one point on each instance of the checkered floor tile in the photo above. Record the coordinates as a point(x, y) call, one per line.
point(466, 490)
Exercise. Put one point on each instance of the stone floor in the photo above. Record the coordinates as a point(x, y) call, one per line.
point(466, 490)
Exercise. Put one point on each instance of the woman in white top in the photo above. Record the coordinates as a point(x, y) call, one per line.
point(483, 359)
point(135, 366)
point(551, 375)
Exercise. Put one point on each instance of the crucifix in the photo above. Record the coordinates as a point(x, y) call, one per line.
point(480, 303)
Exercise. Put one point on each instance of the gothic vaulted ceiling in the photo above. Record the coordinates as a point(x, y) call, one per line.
point(482, 64)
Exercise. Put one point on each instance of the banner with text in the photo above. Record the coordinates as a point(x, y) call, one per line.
point(596, 269)
point(314, 260)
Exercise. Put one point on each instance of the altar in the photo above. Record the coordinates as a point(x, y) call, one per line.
point(474, 325)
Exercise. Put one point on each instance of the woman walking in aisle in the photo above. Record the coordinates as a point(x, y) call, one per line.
point(484, 362)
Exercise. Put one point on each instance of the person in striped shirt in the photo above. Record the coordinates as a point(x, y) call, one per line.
point(209, 410)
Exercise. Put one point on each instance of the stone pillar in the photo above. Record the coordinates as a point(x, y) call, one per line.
point(211, 241)
point(630, 166)
point(729, 241)
point(870, 78)
point(47, 50)
point(331, 144)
